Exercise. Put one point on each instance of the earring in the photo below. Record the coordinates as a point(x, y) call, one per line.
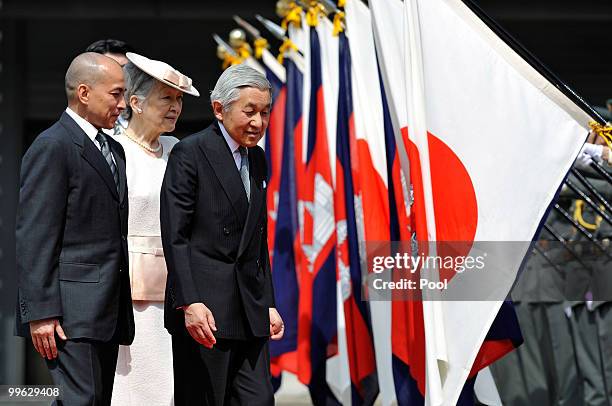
point(139, 110)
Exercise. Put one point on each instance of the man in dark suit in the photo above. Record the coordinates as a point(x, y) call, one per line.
point(219, 297)
point(73, 287)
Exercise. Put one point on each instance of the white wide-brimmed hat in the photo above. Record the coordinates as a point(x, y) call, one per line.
point(164, 73)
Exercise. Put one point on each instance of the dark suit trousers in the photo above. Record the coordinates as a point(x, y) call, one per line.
point(233, 372)
point(85, 371)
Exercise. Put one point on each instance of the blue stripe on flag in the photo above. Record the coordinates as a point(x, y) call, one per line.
point(283, 261)
point(324, 329)
point(316, 82)
point(390, 148)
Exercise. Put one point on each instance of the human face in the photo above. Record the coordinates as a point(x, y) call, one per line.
point(162, 108)
point(104, 98)
point(248, 117)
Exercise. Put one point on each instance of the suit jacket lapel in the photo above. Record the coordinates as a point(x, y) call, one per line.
point(219, 156)
point(90, 153)
point(257, 198)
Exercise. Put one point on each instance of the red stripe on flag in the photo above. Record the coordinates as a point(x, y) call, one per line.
point(374, 196)
point(408, 331)
point(490, 351)
point(275, 133)
point(362, 362)
point(418, 217)
point(318, 164)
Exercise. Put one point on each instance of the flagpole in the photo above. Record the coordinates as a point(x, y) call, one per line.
point(591, 189)
point(588, 201)
point(534, 62)
point(581, 229)
point(565, 245)
point(604, 174)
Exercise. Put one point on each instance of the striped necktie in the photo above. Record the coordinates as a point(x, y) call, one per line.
point(106, 153)
point(244, 171)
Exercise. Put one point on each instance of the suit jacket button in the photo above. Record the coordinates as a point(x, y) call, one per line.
point(225, 231)
point(122, 206)
point(257, 263)
point(123, 237)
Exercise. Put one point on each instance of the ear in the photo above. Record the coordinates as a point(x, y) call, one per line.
point(217, 110)
point(82, 93)
point(135, 104)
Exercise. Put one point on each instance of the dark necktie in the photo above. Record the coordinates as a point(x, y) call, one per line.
point(106, 153)
point(244, 171)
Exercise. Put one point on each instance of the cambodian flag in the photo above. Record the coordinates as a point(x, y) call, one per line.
point(317, 328)
point(407, 330)
point(274, 144)
point(285, 237)
point(361, 357)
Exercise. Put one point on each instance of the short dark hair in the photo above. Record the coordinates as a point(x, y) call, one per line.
point(110, 46)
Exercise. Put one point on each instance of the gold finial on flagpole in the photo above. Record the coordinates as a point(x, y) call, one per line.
point(259, 42)
point(238, 41)
point(283, 7)
point(226, 53)
point(292, 16)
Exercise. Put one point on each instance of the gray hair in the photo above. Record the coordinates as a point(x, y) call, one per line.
point(234, 78)
point(85, 68)
point(137, 83)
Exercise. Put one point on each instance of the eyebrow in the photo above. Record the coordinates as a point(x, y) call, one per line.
point(253, 105)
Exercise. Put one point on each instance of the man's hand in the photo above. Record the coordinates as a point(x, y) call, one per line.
point(200, 324)
point(43, 336)
point(277, 327)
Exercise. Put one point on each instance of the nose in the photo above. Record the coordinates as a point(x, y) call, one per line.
point(121, 104)
point(257, 120)
point(177, 105)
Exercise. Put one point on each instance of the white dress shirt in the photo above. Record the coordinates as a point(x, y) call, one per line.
point(88, 128)
point(85, 125)
point(233, 146)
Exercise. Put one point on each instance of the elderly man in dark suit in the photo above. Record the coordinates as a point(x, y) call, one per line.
point(73, 286)
point(219, 296)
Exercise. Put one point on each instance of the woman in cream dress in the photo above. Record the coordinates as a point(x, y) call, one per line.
point(154, 99)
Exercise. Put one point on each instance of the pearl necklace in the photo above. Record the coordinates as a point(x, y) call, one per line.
point(143, 145)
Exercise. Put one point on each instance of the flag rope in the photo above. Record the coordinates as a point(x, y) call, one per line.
point(338, 23)
point(578, 216)
point(243, 51)
point(287, 46)
point(294, 16)
point(260, 44)
point(229, 60)
point(603, 131)
point(314, 11)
